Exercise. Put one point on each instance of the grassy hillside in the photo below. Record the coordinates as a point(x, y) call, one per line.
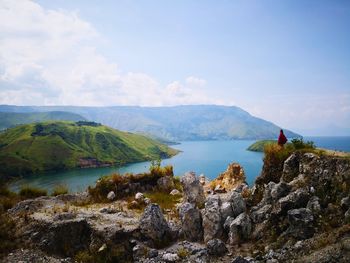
point(62, 145)
point(259, 146)
point(10, 119)
point(177, 123)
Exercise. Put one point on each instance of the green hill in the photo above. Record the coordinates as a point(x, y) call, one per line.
point(10, 119)
point(259, 146)
point(47, 146)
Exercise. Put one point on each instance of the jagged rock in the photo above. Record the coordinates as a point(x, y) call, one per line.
point(171, 257)
point(296, 199)
point(216, 247)
point(139, 197)
point(347, 216)
point(238, 203)
point(111, 196)
point(231, 178)
point(192, 189)
point(314, 204)
point(153, 226)
point(300, 221)
point(345, 203)
point(228, 222)
point(240, 229)
point(291, 167)
point(241, 187)
point(191, 219)
point(240, 259)
point(212, 220)
point(226, 210)
point(147, 201)
point(175, 192)
point(259, 215)
point(108, 210)
point(203, 180)
point(279, 190)
point(165, 183)
point(64, 216)
point(65, 237)
point(139, 251)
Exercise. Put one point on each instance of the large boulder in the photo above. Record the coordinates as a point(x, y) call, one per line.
point(291, 167)
point(259, 215)
point(301, 223)
point(296, 199)
point(65, 237)
point(154, 227)
point(212, 220)
point(240, 229)
point(191, 220)
point(238, 203)
point(192, 189)
point(216, 247)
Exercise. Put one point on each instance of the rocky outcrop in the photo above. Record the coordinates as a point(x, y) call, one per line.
point(191, 222)
point(228, 180)
point(154, 227)
point(192, 189)
point(212, 219)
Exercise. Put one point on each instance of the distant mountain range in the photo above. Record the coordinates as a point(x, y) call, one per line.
point(58, 145)
point(177, 123)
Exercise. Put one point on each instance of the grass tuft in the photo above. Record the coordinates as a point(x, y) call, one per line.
point(60, 189)
point(28, 192)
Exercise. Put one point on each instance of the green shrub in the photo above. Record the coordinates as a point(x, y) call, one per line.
point(60, 190)
point(164, 200)
point(299, 144)
point(27, 192)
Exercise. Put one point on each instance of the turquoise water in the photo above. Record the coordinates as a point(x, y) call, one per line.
point(341, 143)
point(203, 157)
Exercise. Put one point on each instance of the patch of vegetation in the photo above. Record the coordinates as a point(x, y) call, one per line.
point(28, 192)
point(117, 253)
point(164, 200)
point(58, 145)
point(259, 146)
point(120, 184)
point(60, 190)
point(183, 252)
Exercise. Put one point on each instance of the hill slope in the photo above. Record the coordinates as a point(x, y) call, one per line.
point(61, 145)
point(192, 122)
point(10, 119)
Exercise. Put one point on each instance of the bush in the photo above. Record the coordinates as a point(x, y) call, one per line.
point(164, 200)
point(299, 144)
point(27, 192)
point(60, 189)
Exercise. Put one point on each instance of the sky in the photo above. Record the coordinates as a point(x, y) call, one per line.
point(284, 61)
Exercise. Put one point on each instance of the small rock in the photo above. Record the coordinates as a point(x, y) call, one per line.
point(345, 203)
point(147, 201)
point(107, 210)
point(175, 192)
point(216, 247)
point(139, 197)
point(219, 189)
point(314, 204)
point(153, 253)
point(102, 248)
point(111, 196)
point(171, 257)
point(165, 183)
point(239, 259)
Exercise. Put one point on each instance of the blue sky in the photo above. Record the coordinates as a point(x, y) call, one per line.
point(284, 61)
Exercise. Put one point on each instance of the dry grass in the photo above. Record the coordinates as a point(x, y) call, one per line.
point(60, 190)
point(164, 200)
point(28, 192)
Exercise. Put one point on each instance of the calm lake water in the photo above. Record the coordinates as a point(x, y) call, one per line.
point(203, 157)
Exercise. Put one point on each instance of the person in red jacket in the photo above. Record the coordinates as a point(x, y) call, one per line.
point(282, 139)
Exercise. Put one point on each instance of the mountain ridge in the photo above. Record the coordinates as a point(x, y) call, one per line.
point(174, 123)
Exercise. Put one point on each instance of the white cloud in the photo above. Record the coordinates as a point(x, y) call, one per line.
point(50, 57)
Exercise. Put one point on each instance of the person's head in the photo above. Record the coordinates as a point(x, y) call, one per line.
point(281, 131)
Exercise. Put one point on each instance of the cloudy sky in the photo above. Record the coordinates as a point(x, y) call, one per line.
point(284, 61)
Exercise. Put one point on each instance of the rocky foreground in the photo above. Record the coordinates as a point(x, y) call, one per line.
point(297, 211)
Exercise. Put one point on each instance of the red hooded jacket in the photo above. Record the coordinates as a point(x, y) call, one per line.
point(282, 139)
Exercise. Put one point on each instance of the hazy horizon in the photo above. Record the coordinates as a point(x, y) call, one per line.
point(286, 62)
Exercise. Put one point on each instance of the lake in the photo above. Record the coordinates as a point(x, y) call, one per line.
point(203, 157)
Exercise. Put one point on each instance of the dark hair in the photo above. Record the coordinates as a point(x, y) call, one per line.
point(281, 130)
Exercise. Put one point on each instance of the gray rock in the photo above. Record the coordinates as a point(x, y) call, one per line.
point(228, 222)
point(139, 197)
point(259, 215)
point(345, 203)
point(216, 247)
point(191, 220)
point(314, 205)
point(64, 216)
point(301, 223)
point(111, 196)
point(170, 257)
point(108, 210)
point(296, 199)
point(154, 227)
point(240, 259)
point(291, 168)
point(226, 210)
point(238, 203)
point(165, 183)
point(240, 229)
point(347, 216)
point(175, 192)
point(192, 189)
point(279, 190)
point(212, 220)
